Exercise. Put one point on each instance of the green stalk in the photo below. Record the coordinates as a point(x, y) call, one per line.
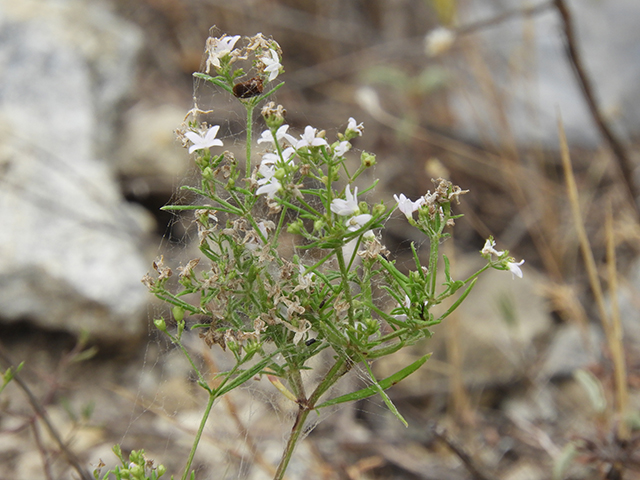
point(196, 441)
point(249, 108)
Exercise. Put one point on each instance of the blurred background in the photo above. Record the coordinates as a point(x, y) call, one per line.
point(90, 95)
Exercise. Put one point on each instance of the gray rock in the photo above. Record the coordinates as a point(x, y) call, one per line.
point(69, 245)
point(536, 83)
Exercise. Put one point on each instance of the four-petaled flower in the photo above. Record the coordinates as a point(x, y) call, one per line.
point(355, 126)
point(200, 142)
point(218, 48)
point(309, 139)
point(272, 64)
point(274, 158)
point(269, 184)
point(346, 207)
point(342, 148)
point(281, 134)
point(406, 206)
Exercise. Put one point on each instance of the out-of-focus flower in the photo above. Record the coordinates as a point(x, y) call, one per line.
point(438, 41)
point(514, 268)
point(274, 158)
point(200, 142)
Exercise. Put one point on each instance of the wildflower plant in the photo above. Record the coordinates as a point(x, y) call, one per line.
point(274, 312)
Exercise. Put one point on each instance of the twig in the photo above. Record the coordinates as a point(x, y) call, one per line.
point(456, 448)
point(71, 457)
point(615, 144)
point(503, 17)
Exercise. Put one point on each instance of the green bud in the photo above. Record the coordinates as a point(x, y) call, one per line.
point(161, 470)
point(371, 325)
point(280, 173)
point(178, 313)
point(295, 227)
point(324, 179)
point(207, 173)
point(378, 209)
point(363, 207)
point(160, 324)
point(368, 159)
point(231, 184)
point(319, 224)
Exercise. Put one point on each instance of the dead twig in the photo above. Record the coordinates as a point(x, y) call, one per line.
point(71, 457)
point(475, 470)
point(615, 144)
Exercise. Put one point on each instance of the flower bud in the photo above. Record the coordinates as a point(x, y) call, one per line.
point(160, 324)
point(295, 227)
point(367, 159)
point(378, 209)
point(207, 173)
point(178, 313)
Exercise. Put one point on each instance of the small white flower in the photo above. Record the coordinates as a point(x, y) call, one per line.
point(270, 188)
point(281, 134)
point(346, 207)
point(272, 64)
point(514, 268)
point(200, 142)
point(218, 48)
point(342, 148)
point(274, 158)
point(309, 139)
point(358, 221)
point(406, 206)
point(355, 126)
point(439, 41)
point(489, 250)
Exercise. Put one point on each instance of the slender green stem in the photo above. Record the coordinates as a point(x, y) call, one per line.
point(249, 108)
point(196, 441)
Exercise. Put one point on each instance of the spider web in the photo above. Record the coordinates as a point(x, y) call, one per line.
point(248, 428)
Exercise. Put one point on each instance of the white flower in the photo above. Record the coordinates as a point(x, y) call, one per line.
point(355, 126)
point(439, 41)
point(200, 142)
point(358, 221)
point(309, 139)
point(489, 250)
point(272, 64)
point(406, 206)
point(218, 48)
point(514, 268)
point(274, 158)
point(346, 207)
point(281, 134)
point(342, 148)
point(271, 187)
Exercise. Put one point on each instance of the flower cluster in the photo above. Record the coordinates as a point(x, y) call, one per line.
point(318, 293)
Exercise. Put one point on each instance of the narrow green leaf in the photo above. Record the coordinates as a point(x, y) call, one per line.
point(384, 384)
